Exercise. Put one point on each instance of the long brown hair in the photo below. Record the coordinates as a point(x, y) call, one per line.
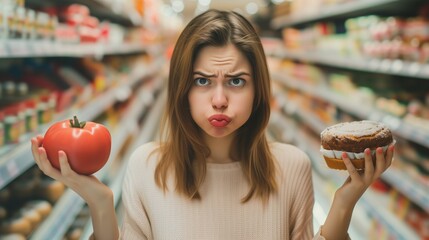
point(183, 150)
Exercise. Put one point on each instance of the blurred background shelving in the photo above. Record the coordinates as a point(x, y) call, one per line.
point(107, 61)
point(334, 61)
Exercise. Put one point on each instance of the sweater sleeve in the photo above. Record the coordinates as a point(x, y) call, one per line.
point(136, 224)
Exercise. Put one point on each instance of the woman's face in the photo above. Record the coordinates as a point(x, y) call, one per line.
point(222, 93)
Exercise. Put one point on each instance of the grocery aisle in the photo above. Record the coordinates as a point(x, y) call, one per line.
point(351, 60)
point(64, 59)
point(107, 62)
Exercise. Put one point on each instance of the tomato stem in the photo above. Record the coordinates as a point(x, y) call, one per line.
point(74, 123)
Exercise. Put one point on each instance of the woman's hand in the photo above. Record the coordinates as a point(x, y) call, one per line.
point(359, 181)
point(98, 196)
point(339, 216)
point(88, 187)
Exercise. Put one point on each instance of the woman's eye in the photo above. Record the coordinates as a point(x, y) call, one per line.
point(202, 81)
point(237, 82)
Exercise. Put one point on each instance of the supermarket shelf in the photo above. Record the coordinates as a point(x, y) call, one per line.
point(395, 226)
point(129, 122)
point(414, 190)
point(382, 66)
point(62, 216)
point(24, 48)
point(368, 201)
point(128, 15)
point(18, 158)
point(346, 9)
point(102, 9)
point(147, 134)
point(399, 127)
point(66, 210)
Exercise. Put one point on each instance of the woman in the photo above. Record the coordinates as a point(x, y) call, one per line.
point(215, 176)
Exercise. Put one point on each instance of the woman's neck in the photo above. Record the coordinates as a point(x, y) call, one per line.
point(220, 149)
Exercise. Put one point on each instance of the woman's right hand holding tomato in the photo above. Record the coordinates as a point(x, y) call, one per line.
point(97, 195)
point(89, 188)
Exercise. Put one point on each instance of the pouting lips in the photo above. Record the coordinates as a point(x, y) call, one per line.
point(219, 120)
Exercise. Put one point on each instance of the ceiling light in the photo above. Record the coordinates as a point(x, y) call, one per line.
point(177, 6)
point(252, 8)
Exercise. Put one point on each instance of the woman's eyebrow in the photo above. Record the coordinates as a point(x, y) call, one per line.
point(237, 74)
point(227, 75)
point(204, 74)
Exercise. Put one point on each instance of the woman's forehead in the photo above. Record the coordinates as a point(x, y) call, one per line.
point(214, 57)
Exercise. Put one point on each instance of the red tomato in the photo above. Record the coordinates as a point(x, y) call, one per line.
point(87, 145)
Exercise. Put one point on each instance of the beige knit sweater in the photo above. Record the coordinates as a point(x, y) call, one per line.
point(152, 214)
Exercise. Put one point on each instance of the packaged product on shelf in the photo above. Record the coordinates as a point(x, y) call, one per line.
point(52, 26)
point(31, 121)
point(89, 31)
point(87, 26)
point(425, 52)
point(21, 117)
point(47, 81)
point(97, 74)
point(65, 33)
point(2, 23)
point(16, 224)
point(3, 213)
point(43, 207)
point(17, 30)
point(46, 108)
point(50, 190)
point(2, 131)
point(416, 218)
point(42, 26)
point(33, 216)
point(30, 25)
point(410, 213)
point(78, 81)
point(11, 124)
point(74, 14)
point(8, 17)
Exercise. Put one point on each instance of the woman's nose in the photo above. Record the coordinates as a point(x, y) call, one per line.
point(219, 100)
